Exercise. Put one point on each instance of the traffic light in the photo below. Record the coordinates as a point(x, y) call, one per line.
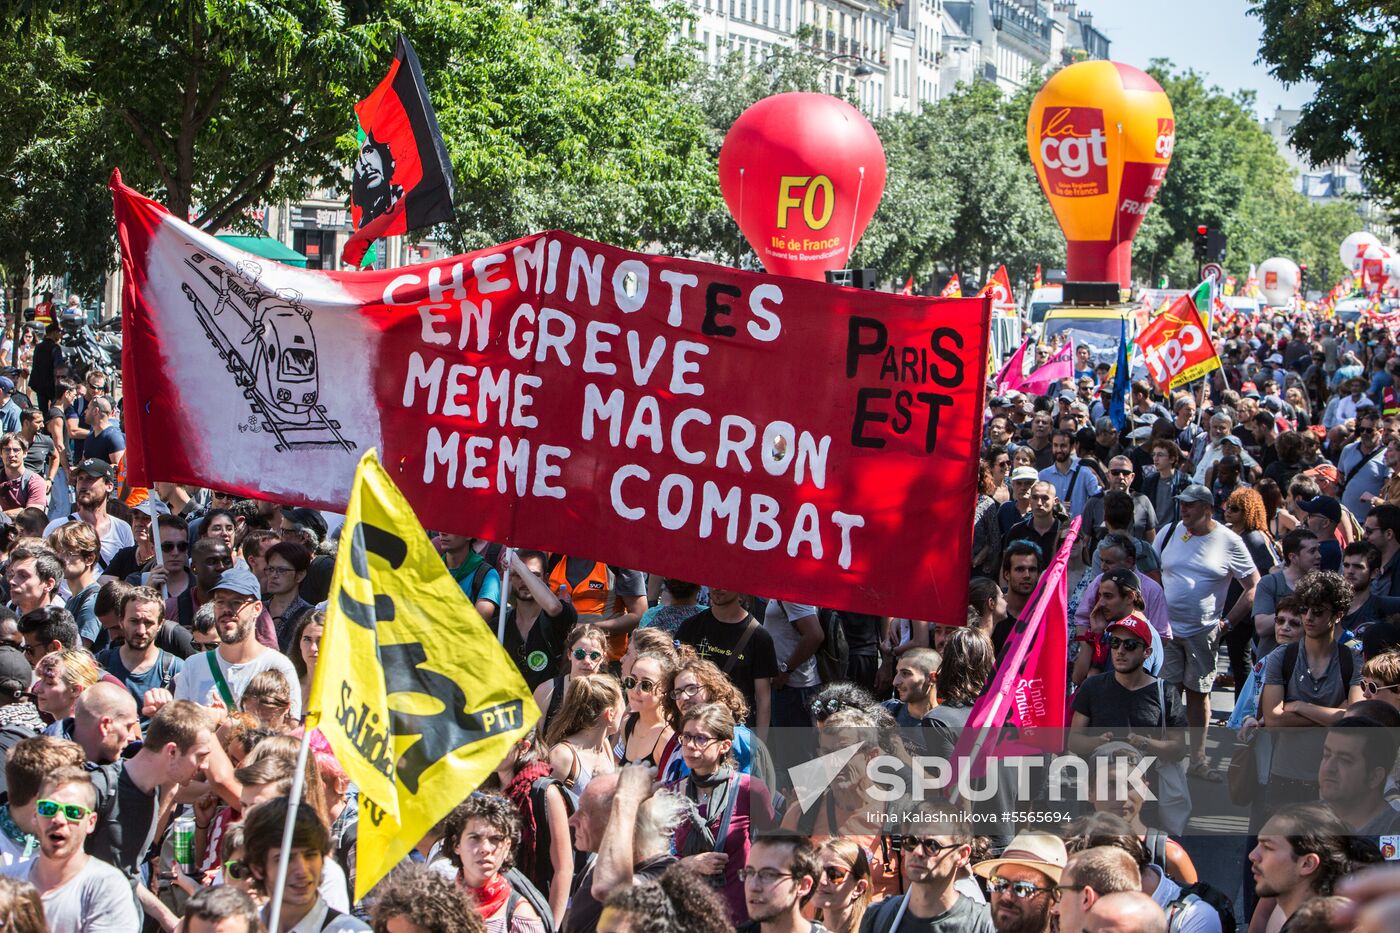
point(1302, 279)
point(1202, 242)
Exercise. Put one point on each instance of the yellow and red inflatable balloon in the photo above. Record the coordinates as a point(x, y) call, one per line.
point(802, 174)
point(1100, 136)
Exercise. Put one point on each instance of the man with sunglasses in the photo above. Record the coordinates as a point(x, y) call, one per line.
point(1126, 698)
point(779, 879)
point(1120, 479)
point(210, 559)
point(1022, 882)
point(1088, 876)
point(1362, 464)
point(219, 676)
point(937, 844)
point(79, 892)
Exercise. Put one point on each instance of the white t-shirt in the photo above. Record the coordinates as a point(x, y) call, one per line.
point(315, 921)
point(196, 681)
point(1196, 574)
point(1197, 917)
point(778, 619)
point(98, 899)
point(117, 537)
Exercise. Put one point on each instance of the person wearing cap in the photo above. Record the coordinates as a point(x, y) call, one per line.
point(1322, 515)
point(1112, 595)
point(1022, 882)
point(1200, 557)
point(1127, 699)
point(1344, 407)
point(1362, 464)
point(9, 411)
point(94, 485)
point(20, 487)
point(309, 527)
point(240, 657)
point(1073, 484)
point(106, 441)
point(1018, 506)
point(1220, 442)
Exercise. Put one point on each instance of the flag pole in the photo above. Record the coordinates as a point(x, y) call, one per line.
point(293, 802)
point(1023, 648)
point(509, 555)
point(155, 537)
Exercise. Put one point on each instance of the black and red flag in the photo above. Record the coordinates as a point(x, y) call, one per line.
point(403, 178)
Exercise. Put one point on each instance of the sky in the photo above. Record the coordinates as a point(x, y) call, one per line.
point(1214, 37)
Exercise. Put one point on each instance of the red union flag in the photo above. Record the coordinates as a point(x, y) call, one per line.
point(765, 434)
point(1177, 347)
point(1074, 151)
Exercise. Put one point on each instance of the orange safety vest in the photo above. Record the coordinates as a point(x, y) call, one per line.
point(592, 596)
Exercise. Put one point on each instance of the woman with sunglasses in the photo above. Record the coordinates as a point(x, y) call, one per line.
point(172, 570)
point(730, 805)
point(585, 651)
point(843, 885)
point(579, 738)
point(645, 731)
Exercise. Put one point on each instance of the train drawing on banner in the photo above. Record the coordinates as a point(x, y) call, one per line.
point(266, 341)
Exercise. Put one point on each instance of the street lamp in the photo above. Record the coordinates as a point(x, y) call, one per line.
point(862, 70)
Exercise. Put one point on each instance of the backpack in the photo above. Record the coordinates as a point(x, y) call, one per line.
point(523, 889)
point(834, 654)
point(1194, 893)
point(540, 805)
point(1344, 656)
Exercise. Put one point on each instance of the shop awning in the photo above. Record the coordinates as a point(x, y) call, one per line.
point(267, 248)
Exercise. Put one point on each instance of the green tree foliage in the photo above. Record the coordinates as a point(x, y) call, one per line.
point(565, 113)
point(1347, 48)
point(1227, 173)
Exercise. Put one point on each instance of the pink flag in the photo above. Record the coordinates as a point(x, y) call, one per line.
point(1060, 366)
point(1030, 686)
point(1011, 375)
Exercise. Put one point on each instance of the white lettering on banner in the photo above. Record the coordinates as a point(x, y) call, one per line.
point(1169, 357)
point(764, 530)
point(482, 399)
point(1074, 155)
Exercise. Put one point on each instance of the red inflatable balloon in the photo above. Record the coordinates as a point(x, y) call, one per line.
point(802, 175)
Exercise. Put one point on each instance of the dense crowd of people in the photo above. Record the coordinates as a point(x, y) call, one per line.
point(1241, 534)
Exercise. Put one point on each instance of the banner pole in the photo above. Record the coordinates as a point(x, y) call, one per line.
point(293, 802)
point(509, 554)
point(155, 537)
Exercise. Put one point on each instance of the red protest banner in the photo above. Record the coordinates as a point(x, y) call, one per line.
point(1177, 347)
point(761, 433)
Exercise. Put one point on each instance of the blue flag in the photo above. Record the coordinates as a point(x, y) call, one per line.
point(1122, 381)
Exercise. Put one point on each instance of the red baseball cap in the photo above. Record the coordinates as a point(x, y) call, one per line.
point(1136, 623)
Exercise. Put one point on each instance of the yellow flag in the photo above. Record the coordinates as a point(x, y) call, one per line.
point(412, 690)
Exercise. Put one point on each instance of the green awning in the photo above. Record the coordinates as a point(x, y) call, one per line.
point(267, 248)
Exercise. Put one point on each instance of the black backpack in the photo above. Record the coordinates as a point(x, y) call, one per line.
point(523, 889)
point(834, 654)
point(540, 805)
point(1201, 891)
point(1345, 659)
